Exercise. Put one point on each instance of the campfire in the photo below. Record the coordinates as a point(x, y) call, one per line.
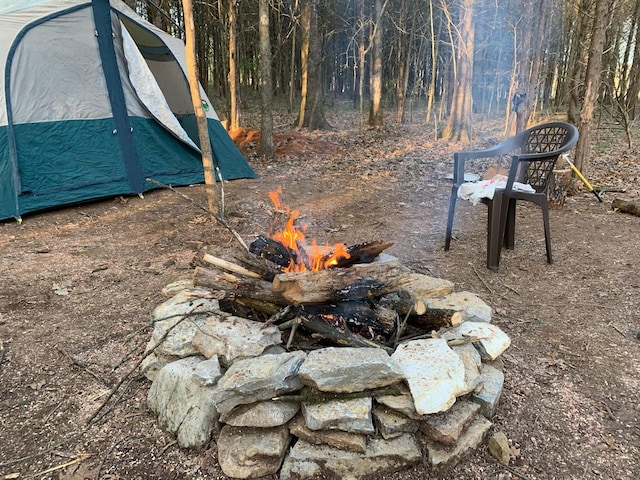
point(416, 376)
point(341, 295)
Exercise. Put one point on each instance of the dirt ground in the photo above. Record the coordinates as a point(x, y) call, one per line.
point(78, 284)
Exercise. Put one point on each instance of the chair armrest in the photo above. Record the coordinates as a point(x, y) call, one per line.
point(459, 158)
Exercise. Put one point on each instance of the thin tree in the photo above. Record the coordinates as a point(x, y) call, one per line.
point(266, 84)
point(592, 84)
point(311, 113)
point(234, 80)
point(201, 118)
point(375, 110)
point(458, 128)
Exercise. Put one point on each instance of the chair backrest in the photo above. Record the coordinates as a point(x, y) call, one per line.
point(554, 138)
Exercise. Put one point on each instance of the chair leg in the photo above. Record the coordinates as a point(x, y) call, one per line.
point(496, 220)
point(547, 230)
point(510, 225)
point(452, 208)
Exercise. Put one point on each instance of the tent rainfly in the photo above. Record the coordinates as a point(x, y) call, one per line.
point(94, 100)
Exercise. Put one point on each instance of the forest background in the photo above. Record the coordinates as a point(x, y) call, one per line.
point(458, 58)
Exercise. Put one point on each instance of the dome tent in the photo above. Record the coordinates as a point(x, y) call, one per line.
point(93, 101)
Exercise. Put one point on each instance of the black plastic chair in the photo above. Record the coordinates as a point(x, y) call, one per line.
point(532, 155)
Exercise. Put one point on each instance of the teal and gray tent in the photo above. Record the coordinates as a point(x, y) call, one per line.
point(94, 100)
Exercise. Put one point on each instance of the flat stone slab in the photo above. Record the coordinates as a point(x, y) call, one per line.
point(177, 320)
point(471, 306)
point(252, 452)
point(472, 361)
point(439, 454)
point(434, 372)
point(446, 427)
point(348, 415)
point(489, 395)
point(231, 338)
point(307, 461)
point(391, 423)
point(256, 379)
point(491, 340)
point(334, 438)
point(262, 414)
point(183, 405)
point(348, 369)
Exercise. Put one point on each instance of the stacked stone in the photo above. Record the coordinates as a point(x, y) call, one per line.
point(333, 412)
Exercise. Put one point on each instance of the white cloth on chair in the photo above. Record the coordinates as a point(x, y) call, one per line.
point(476, 191)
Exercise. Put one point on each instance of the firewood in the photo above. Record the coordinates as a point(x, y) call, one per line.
point(238, 287)
point(357, 282)
point(335, 336)
point(356, 315)
point(230, 266)
point(626, 206)
point(363, 253)
point(436, 318)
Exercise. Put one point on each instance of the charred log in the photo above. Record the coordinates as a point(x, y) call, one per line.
point(360, 318)
point(273, 251)
point(334, 335)
point(363, 253)
point(358, 282)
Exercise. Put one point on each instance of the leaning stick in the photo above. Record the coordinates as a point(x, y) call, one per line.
point(218, 218)
point(230, 266)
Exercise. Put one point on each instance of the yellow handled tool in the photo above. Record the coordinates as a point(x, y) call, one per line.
point(584, 180)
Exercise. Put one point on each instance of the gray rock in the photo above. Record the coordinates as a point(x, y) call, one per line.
point(347, 369)
point(391, 423)
point(498, 445)
point(472, 360)
point(434, 372)
point(307, 461)
point(354, 442)
point(473, 309)
point(208, 372)
point(347, 415)
point(153, 363)
point(232, 338)
point(492, 341)
point(262, 414)
point(446, 427)
point(492, 385)
point(183, 406)
point(471, 438)
point(252, 452)
point(181, 316)
point(255, 379)
point(402, 403)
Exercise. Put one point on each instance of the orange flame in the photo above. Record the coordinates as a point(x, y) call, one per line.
point(312, 258)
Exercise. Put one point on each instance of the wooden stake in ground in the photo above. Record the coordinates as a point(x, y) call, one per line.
point(196, 99)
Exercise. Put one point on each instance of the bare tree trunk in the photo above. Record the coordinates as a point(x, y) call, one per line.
point(196, 99)
point(592, 85)
point(311, 113)
point(361, 60)
point(578, 59)
point(234, 80)
point(375, 110)
point(266, 86)
point(458, 127)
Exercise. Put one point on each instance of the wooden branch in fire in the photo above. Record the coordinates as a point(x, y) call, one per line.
point(356, 306)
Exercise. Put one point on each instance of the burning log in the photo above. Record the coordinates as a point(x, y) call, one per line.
point(360, 281)
point(361, 318)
